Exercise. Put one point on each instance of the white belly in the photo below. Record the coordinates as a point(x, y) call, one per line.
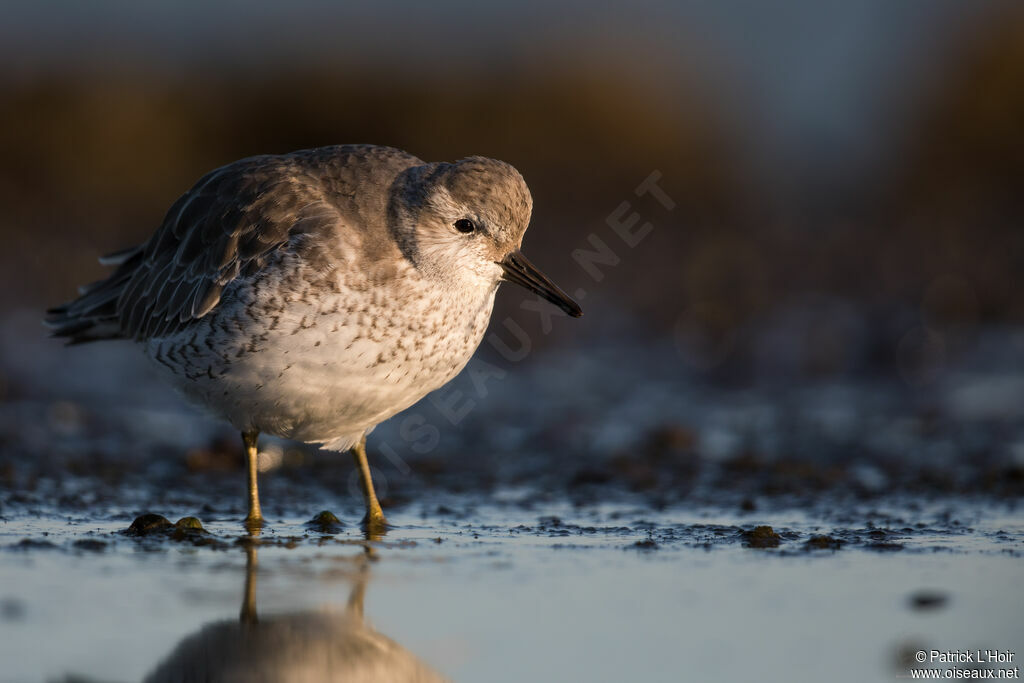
point(330, 367)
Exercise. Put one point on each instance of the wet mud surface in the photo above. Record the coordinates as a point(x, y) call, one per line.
point(568, 526)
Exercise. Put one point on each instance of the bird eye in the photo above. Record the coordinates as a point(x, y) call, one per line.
point(465, 225)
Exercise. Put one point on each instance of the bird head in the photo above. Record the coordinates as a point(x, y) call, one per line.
point(464, 223)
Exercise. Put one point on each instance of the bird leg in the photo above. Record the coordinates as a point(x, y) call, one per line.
point(374, 520)
point(255, 519)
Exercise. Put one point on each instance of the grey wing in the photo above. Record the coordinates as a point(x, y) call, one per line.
point(225, 227)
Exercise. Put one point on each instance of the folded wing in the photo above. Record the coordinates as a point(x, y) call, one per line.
point(224, 228)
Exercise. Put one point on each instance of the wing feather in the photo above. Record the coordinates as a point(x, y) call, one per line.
point(225, 227)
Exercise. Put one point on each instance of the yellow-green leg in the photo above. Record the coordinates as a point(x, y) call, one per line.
point(374, 519)
point(255, 518)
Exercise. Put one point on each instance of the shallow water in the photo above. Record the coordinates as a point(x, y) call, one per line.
point(608, 594)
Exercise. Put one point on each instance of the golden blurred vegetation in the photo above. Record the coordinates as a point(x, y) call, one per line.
point(957, 200)
point(94, 155)
point(92, 161)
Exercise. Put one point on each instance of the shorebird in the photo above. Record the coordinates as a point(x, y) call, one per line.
point(315, 294)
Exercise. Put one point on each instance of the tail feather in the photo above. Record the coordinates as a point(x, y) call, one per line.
point(93, 315)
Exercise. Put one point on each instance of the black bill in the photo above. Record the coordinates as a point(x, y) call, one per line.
point(520, 271)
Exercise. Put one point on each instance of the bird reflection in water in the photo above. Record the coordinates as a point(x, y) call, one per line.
point(322, 645)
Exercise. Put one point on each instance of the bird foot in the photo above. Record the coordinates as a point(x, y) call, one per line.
point(375, 525)
point(254, 523)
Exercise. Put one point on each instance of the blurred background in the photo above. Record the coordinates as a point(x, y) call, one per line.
point(847, 176)
point(853, 170)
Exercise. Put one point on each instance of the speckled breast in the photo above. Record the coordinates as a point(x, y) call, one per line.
point(325, 361)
